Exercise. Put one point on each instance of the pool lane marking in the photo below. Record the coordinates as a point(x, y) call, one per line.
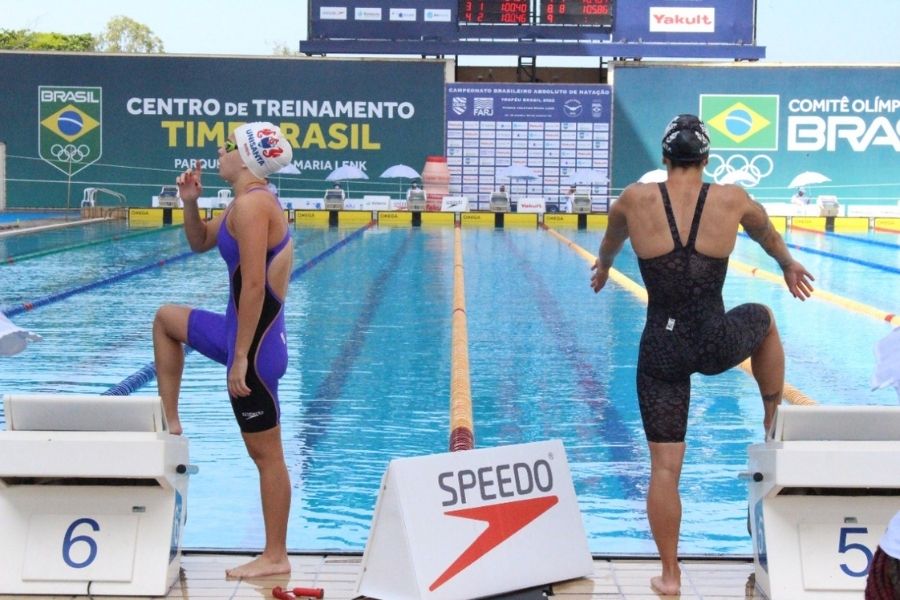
point(329, 251)
point(841, 257)
point(462, 428)
point(612, 427)
point(858, 240)
point(16, 309)
point(790, 393)
point(846, 303)
point(856, 261)
point(10, 260)
point(333, 384)
point(147, 373)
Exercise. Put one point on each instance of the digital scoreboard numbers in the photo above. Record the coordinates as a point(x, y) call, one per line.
point(596, 13)
point(591, 13)
point(493, 12)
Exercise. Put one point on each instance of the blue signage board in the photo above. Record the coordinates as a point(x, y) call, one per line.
point(382, 19)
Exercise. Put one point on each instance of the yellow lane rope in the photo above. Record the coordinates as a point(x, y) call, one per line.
point(851, 305)
point(462, 430)
point(790, 394)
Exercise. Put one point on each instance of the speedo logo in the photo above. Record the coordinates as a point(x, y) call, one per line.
point(504, 519)
point(741, 122)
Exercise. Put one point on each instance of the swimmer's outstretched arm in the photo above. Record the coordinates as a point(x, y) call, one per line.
point(201, 236)
point(613, 240)
point(759, 227)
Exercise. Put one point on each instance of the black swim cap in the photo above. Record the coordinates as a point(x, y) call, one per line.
point(685, 139)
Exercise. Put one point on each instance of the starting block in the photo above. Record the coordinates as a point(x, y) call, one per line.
point(93, 494)
point(823, 488)
point(581, 204)
point(475, 523)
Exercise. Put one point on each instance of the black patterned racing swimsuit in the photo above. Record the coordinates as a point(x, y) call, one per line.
point(687, 329)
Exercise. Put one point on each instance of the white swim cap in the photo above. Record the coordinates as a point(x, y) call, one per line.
point(263, 148)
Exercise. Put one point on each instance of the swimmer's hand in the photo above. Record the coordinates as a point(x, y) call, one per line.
point(189, 186)
point(600, 276)
point(798, 280)
point(237, 378)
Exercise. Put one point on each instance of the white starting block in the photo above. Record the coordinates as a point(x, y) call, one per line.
point(334, 199)
point(581, 203)
point(475, 523)
point(828, 206)
point(823, 489)
point(93, 493)
point(499, 202)
point(416, 200)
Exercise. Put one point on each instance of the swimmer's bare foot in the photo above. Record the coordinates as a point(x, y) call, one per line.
point(261, 566)
point(174, 426)
point(666, 586)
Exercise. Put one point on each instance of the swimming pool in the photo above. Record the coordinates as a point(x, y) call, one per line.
point(368, 379)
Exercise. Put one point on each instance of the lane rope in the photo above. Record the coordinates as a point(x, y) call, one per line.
point(462, 429)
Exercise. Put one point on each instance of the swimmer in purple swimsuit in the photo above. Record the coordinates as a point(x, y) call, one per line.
point(254, 239)
point(683, 232)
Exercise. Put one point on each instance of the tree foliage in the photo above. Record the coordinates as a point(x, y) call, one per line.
point(23, 39)
point(282, 49)
point(123, 34)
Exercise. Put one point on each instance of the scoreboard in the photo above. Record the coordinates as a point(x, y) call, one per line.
point(624, 28)
point(596, 13)
point(494, 11)
point(590, 13)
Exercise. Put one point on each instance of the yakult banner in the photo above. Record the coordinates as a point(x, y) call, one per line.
point(477, 523)
point(153, 116)
point(769, 123)
point(710, 21)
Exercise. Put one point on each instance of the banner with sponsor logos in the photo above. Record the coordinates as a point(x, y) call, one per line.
point(768, 124)
point(476, 523)
point(544, 132)
point(635, 21)
point(131, 123)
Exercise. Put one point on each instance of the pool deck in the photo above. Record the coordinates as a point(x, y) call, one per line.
point(203, 576)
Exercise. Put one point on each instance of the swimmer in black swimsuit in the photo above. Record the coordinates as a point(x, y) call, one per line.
point(254, 239)
point(683, 232)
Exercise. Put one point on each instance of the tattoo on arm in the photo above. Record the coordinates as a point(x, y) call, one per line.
point(766, 236)
point(773, 397)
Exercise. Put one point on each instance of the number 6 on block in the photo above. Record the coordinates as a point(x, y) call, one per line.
point(80, 547)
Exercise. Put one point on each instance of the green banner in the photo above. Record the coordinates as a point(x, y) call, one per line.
point(768, 124)
point(151, 117)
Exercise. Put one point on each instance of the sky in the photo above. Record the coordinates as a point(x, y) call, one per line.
point(795, 31)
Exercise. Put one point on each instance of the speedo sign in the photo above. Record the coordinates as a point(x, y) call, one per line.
point(475, 523)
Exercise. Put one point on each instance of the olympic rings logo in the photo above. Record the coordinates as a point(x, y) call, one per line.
point(70, 152)
point(739, 169)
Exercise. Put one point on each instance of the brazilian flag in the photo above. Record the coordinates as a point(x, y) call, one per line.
point(741, 122)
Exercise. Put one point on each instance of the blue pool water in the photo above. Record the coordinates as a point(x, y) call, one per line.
point(13, 216)
point(368, 379)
